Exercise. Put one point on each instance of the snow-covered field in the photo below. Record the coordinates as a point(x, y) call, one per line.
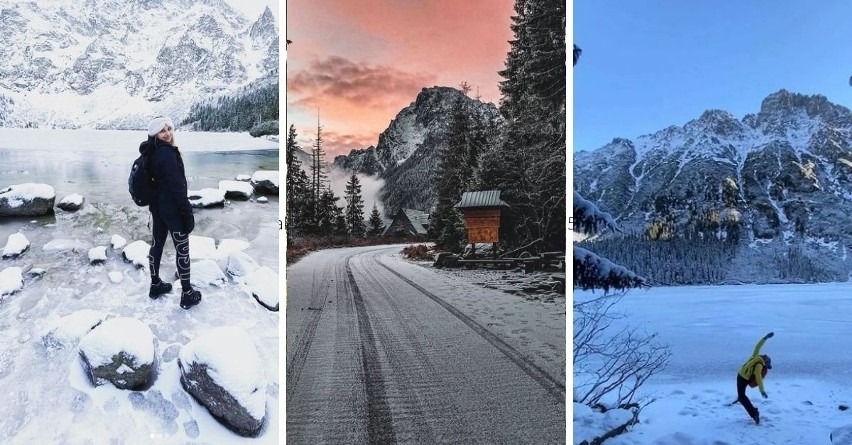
point(46, 396)
point(711, 332)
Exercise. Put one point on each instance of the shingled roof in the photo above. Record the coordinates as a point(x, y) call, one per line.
point(486, 198)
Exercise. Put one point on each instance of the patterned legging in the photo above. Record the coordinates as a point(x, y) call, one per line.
point(155, 254)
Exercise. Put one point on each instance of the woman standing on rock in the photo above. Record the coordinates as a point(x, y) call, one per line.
point(170, 209)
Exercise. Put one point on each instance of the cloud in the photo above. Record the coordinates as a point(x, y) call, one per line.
point(370, 188)
point(337, 79)
point(335, 143)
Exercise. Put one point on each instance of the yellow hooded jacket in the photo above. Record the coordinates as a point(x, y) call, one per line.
point(753, 367)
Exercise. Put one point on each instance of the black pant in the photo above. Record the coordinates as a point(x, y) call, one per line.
point(181, 241)
point(742, 384)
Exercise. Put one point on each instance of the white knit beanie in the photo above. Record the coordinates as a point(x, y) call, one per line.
point(158, 124)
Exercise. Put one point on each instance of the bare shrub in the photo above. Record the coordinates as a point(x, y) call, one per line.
point(611, 362)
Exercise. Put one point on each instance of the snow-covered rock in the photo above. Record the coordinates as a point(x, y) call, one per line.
point(263, 199)
point(243, 178)
point(119, 351)
point(236, 190)
point(206, 273)
point(97, 255)
point(263, 285)
point(16, 245)
point(72, 327)
point(11, 280)
point(222, 370)
point(202, 247)
point(207, 197)
point(240, 264)
point(228, 246)
point(137, 253)
point(72, 202)
point(117, 242)
point(841, 436)
point(265, 182)
point(27, 200)
point(115, 277)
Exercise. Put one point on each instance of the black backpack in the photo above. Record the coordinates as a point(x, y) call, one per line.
point(140, 182)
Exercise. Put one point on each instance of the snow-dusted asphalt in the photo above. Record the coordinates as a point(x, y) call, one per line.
point(383, 351)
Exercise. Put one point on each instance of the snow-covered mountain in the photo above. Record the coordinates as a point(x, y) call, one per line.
point(779, 177)
point(406, 155)
point(114, 63)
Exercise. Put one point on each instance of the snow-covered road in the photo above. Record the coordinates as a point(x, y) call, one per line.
point(381, 351)
point(712, 330)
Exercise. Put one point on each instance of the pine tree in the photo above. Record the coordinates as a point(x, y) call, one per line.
point(354, 208)
point(455, 174)
point(327, 214)
point(529, 164)
point(376, 225)
point(298, 197)
point(318, 174)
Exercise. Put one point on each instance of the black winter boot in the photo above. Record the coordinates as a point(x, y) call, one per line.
point(158, 289)
point(756, 417)
point(189, 298)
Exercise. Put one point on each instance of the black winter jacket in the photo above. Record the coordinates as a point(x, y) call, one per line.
point(171, 204)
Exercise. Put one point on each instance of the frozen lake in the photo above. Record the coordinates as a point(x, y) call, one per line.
point(46, 397)
point(711, 331)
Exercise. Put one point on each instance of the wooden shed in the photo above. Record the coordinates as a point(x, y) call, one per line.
point(482, 215)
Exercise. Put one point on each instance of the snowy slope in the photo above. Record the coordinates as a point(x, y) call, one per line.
point(73, 65)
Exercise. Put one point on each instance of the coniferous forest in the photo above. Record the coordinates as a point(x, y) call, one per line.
point(253, 109)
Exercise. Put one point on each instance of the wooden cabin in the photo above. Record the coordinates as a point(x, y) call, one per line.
point(408, 222)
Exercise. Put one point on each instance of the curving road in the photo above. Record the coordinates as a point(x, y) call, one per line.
point(381, 351)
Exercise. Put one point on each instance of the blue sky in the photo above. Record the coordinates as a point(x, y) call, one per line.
point(651, 64)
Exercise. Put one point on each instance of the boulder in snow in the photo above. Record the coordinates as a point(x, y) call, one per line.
point(11, 280)
point(27, 200)
point(263, 199)
point(16, 245)
point(72, 202)
point(263, 284)
point(236, 190)
point(119, 351)
point(240, 264)
point(243, 178)
point(117, 242)
point(202, 247)
point(265, 182)
point(137, 253)
point(72, 327)
point(222, 371)
point(97, 255)
point(206, 273)
point(207, 197)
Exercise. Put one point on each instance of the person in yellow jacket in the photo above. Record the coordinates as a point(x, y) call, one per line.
point(751, 374)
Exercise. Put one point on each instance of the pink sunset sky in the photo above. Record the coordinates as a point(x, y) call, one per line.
point(362, 61)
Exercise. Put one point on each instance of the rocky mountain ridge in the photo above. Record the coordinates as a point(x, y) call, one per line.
point(406, 155)
point(70, 64)
point(777, 178)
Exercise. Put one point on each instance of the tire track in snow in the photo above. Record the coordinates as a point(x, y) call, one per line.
point(553, 387)
point(379, 419)
point(294, 369)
